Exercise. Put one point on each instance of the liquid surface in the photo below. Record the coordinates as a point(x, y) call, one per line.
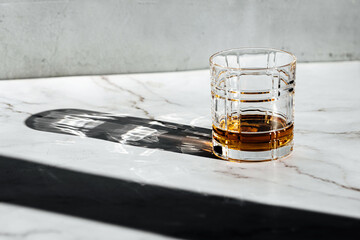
point(253, 132)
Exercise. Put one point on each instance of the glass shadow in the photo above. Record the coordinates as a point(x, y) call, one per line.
point(124, 129)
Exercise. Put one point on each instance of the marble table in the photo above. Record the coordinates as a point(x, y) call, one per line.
point(69, 169)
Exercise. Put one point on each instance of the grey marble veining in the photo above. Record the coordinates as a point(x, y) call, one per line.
point(321, 175)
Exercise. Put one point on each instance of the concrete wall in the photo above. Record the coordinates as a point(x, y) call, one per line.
point(41, 38)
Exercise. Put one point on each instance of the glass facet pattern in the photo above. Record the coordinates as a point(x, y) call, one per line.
point(252, 107)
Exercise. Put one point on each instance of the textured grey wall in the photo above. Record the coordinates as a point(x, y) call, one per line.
point(72, 37)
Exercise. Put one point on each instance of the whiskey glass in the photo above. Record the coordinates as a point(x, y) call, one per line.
point(252, 106)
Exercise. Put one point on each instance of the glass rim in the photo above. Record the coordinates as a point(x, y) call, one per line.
point(252, 48)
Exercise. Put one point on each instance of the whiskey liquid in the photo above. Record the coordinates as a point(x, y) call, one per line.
point(253, 132)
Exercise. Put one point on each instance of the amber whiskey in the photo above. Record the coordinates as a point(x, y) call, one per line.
point(253, 132)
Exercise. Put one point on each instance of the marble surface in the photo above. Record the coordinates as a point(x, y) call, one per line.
point(321, 175)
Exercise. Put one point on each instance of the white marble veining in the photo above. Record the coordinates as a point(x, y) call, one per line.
point(26, 223)
point(322, 174)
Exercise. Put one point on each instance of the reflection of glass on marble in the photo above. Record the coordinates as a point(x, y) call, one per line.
point(252, 103)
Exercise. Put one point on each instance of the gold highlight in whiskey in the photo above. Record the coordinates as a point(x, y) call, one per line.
point(253, 132)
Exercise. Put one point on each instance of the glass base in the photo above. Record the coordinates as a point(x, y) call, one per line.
point(232, 155)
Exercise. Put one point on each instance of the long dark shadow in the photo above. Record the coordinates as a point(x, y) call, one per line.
point(161, 210)
point(126, 130)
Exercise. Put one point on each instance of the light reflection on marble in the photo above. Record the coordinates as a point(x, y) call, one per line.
point(322, 174)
